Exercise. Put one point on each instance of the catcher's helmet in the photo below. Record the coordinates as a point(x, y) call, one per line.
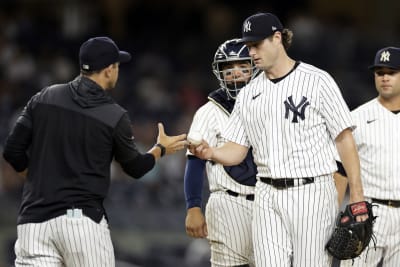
point(228, 52)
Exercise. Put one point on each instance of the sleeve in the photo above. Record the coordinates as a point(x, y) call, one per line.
point(126, 153)
point(334, 108)
point(17, 144)
point(19, 140)
point(193, 181)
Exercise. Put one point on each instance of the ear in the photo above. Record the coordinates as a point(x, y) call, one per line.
point(278, 35)
point(108, 71)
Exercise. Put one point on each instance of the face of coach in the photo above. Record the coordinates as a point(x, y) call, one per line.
point(99, 59)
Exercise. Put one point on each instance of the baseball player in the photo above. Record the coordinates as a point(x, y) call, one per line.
point(230, 205)
point(377, 138)
point(65, 139)
point(292, 115)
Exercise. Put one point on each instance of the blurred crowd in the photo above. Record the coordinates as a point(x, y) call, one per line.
point(172, 43)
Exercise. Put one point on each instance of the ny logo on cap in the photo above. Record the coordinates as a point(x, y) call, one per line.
point(385, 56)
point(247, 26)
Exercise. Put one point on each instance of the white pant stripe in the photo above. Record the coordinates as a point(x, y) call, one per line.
point(291, 226)
point(64, 241)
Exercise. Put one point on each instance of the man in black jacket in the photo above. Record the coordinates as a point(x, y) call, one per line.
point(64, 140)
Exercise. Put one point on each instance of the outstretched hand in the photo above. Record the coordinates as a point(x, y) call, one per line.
point(173, 143)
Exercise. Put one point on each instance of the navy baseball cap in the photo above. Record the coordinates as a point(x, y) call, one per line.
point(388, 57)
point(260, 26)
point(99, 52)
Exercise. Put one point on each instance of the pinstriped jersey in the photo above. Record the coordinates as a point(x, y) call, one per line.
point(209, 120)
point(377, 138)
point(291, 124)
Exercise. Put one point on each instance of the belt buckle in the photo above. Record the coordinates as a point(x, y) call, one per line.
point(390, 204)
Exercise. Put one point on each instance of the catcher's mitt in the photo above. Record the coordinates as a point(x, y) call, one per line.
point(350, 237)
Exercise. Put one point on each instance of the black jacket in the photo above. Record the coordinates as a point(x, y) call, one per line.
point(67, 136)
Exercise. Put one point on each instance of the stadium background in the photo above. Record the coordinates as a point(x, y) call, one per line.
point(172, 43)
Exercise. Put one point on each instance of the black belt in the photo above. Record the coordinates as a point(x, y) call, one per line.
point(287, 182)
point(390, 203)
point(234, 194)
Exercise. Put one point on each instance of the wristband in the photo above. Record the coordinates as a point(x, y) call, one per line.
point(162, 148)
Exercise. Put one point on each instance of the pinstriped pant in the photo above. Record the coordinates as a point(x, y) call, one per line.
point(229, 230)
point(292, 226)
point(64, 241)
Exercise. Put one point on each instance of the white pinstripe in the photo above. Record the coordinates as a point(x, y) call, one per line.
point(228, 218)
point(377, 139)
point(209, 120)
point(291, 226)
point(64, 241)
point(229, 229)
point(289, 149)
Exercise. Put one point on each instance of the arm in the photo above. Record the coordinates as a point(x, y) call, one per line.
point(347, 150)
point(341, 183)
point(228, 154)
point(341, 186)
point(172, 144)
point(15, 150)
point(193, 182)
point(19, 140)
point(132, 161)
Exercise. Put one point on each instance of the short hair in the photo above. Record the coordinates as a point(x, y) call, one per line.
point(287, 36)
point(92, 72)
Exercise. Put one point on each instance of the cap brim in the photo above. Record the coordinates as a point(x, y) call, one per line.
point(372, 67)
point(124, 56)
point(251, 39)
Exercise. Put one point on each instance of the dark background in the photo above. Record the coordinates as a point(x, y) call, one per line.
point(173, 44)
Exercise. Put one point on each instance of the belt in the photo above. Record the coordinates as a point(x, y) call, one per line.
point(234, 194)
point(287, 182)
point(390, 203)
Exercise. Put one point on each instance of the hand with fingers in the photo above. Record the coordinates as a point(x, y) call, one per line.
point(202, 150)
point(170, 144)
point(195, 223)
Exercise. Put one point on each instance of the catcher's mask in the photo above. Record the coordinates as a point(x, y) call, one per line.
point(233, 51)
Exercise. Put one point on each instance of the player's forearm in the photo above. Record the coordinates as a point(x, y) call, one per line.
point(229, 154)
point(193, 181)
point(349, 156)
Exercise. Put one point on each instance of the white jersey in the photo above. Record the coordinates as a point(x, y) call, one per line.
point(209, 120)
point(377, 138)
point(298, 119)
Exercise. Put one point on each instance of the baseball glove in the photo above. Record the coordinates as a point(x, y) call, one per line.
point(350, 237)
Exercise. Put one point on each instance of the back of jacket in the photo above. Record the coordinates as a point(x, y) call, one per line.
point(67, 136)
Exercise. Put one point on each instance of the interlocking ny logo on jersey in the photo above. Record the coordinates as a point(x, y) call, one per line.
point(247, 26)
point(385, 56)
point(290, 106)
